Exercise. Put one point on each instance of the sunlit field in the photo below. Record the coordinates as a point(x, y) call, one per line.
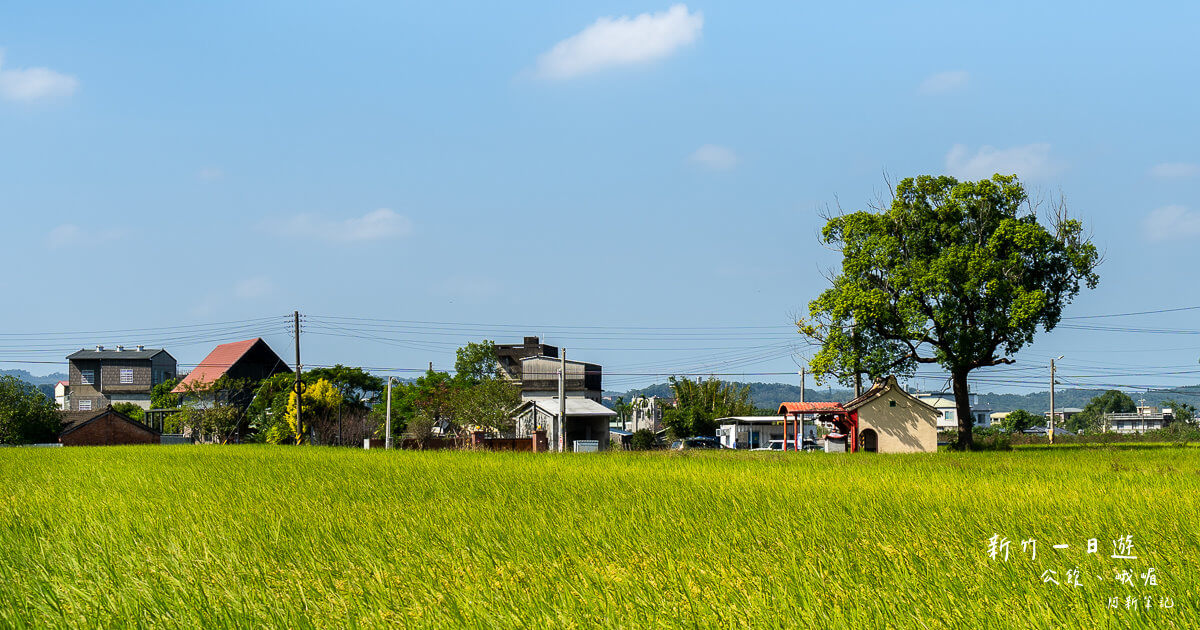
point(298, 537)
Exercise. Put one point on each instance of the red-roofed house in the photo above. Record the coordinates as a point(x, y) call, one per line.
point(251, 360)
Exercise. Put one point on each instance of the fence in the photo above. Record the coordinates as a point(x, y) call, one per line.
point(535, 443)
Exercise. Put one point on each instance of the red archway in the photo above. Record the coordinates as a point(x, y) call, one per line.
point(846, 421)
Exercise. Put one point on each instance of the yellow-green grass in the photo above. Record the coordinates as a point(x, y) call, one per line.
point(297, 537)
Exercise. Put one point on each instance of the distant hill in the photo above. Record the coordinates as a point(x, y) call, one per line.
point(45, 384)
point(769, 395)
point(48, 379)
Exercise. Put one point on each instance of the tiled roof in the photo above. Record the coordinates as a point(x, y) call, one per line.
point(216, 364)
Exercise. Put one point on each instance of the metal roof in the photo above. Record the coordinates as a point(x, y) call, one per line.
point(575, 406)
point(749, 419)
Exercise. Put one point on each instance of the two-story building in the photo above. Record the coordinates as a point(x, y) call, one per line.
point(102, 377)
point(947, 409)
point(533, 366)
point(1145, 418)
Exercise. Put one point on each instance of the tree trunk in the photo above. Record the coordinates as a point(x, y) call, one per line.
point(962, 405)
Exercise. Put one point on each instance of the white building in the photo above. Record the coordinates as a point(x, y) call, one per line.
point(1146, 418)
point(757, 431)
point(948, 412)
point(61, 398)
point(646, 412)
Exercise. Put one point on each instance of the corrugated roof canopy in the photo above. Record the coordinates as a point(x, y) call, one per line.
point(811, 407)
point(575, 406)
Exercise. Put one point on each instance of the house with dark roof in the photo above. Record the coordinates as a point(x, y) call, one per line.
point(102, 377)
point(105, 428)
point(251, 360)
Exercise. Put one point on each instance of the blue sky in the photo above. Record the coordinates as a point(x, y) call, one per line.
point(638, 182)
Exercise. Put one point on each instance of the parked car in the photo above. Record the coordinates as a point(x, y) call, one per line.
point(696, 443)
point(777, 445)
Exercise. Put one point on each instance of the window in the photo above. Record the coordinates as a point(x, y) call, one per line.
point(891, 403)
point(949, 415)
point(85, 405)
point(127, 376)
point(87, 377)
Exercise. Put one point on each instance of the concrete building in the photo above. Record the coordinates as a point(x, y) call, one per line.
point(646, 412)
point(585, 420)
point(106, 428)
point(1062, 414)
point(101, 377)
point(1146, 418)
point(533, 366)
point(758, 431)
point(62, 398)
point(890, 420)
point(948, 412)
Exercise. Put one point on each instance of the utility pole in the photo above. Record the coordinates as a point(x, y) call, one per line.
point(562, 400)
point(802, 370)
point(1051, 432)
point(299, 387)
point(387, 442)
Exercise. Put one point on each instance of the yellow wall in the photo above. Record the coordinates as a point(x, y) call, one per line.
point(909, 427)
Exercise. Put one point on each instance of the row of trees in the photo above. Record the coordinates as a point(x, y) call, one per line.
point(699, 403)
point(1091, 419)
point(342, 405)
point(26, 415)
point(476, 397)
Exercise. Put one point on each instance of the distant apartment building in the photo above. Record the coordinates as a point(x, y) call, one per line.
point(102, 377)
point(1145, 418)
point(533, 366)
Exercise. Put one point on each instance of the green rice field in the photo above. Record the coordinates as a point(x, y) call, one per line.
point(188, 536)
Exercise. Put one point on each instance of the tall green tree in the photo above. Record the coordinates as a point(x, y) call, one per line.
point(475, 362)
point(487, 404)
point(161, 396)
point(958, 274)
point(357, 386)
point(699, 403)
point(26, 416)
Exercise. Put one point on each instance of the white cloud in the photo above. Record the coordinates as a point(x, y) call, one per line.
point(943, 82)
point(1175, 169)
point(70, 235)
point(253, 287)
point(376, 225)
point(1030, 161)
point(621, 41)
point(34, 84)
point(1171, 222)
point(715, 157)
